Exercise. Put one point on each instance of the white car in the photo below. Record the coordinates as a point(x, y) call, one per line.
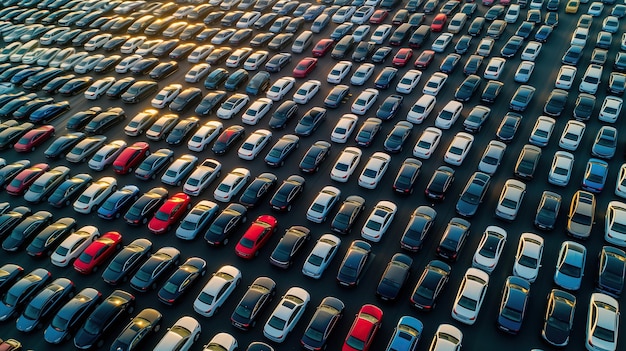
point(615, 222)
point(364, 101)
point(257, 111)
point(127, 63)
point(531, 51)
point(106, 155)
point(511, 199)
point(579, 36)
point(74, 245)
point(602, 323)
point(180, 336)
point(202, 176)
point(565, 77)
point(457, 22)
point(361, 32)
point(379, 221)
point(280, 88)
point(591, 79)
point(494, 68)
point(485, 46)
point(254, 144)
point(343, 14)
point(323, 203)
point(409, 81)
point(512, 14)
point(362, 74)
point(595, 9)
point(427, 143)
point(524, 71)
point(99, 88)
point(374, 170)
point(306, 91)
point(446, 338)
point(561, 169)
point(217, 290)
point(179, 169)
point(238, 57)
point(610, 24)
point(344, 128)
point(254, 61)
point(97, 41)
point(221, 342)
point(248, 19)
point(489, 249)
point(492, 157)
point(222, 36)
point(231, 184)
point(470, 296)
point(421, 109)
point(286, 314)
point(345, 165)
point(620, 183)
point(611, 109)
point(232, 106)
point(441, 42)
point(88, 63)
point(339, 72)
point(572, 135)
point(201, 139)
point(321, 255)
point(166, 95)
point(132, 44)
point(434, 84)
point(362, 14)
point(197, 72)
point(459, 148)
point(542, 131)
point(448, 114)
point(381, 33)
point(200, 53)
point(528, 257)
point(95, 194)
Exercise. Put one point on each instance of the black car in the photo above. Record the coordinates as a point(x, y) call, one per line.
point(71, 315)
point(139, 90)
point(524, 29)
point(381, 54)
point(216, 78)
point(258, 296)
point(76, 86)
point(227, 138)
point(210, 102)
point(163, 70)
point(50, 236)
point(390, 107)
point(21, 291)
point(314, 156)
point(347, 214)
point(354, 263)
point(368, 131)
point(385, 78)
point(283, 147)
point(146, 323)
point(463, 44)
point(11, 170)
point(145, 206)
point(154, 268)
point(127, 261)
point(31, 106)
point(53, 86)
point(583, 108)
point(80, 119)
point(473, 194)
point(556, 102)
point(473, 64)
point(181, 51)
point(439, 183)
point(508, 127)
point(280, 41)
point(9, 274)
point(417, 228)
point(107, 64)
point(362, 51)
point(42, 78)
point(26, 229)
point(49, 112)
point(9, 136)
point(430, 285)
point(466, 90)
point(611, 270)
point(258, 189)
point(559, 317)
point(453, 239)
point(115, 43)
point(407, 175)
point(186, 99)
point(449, 63)
point(105, 120)
point(144, 65)
point(572, 55)
point(258, 84)
point(182, 280)
point(310, 121)
point(512, 46)
point(69, 190)
point(152, 165)
point(236, 80)
point(105, 317)
point(287, 193)
point(119, 87)
point(337, 96)
point(159, 25)
point(182, 129)
point(225, 224)
point(617, 83)
point(491, 91)
point(289, 245)
point(527, 161)
point(398, 135)
point(322, 324)
point(283, 114)
point(11, 106)
point(278, 62)
point(394, 277)
point(419, 36)
point(548, 210)
point(42, 305)
point(218, 55)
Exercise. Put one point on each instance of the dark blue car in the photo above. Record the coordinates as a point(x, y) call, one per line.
point(118, 202)
point(513, 305)
point(49, 112)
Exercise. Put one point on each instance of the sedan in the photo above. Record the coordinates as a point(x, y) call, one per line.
point(253, 145)
point(561, 169)
point(154, 163)
point(379, 221)
point(394, 277)
point(289, 245)
point(596, 173)
point(95, 195)
point(570, 265)
point(511, 199)
point(280, 88)
point(286, 314)
point(354, 262)
point(256, 237)
point(390, 106)
point(458, 148)
point(492, 157)
point(470, 296)
point(522, 97)
point(364, 101)
point(321, 256)
point(325, 319)
point(513, 305)
point(306, 91)
point(197, 220)
point(304, 67)
point(118, 202)
point(430, 285)
point(611, 270)
point(231, 184)
point(217, 290)
point(365, 326)
point(472, 195)
point(408, 81)
point(181, 335)
point(97, 252)
point(193, 269)
point(602, 322)
point(434, 84)
point(605, 143)
point(257, 111)
point(232, 106)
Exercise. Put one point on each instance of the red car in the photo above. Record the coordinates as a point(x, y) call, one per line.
point(424, 59)
point(363, 329)
point(304, 67)
point(34, 138)
point(256, 236)
point(131, 157)
point(438, 22)
point(169, 213)
point(25, 178)
point(322, 47)
point(97, 252)
point(379, 16)
point(403, 56)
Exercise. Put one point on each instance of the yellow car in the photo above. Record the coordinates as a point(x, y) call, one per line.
point(572, 6)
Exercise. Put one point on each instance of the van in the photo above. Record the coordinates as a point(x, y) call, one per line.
point(400, 34)
point(320, 23)
point(302, 42)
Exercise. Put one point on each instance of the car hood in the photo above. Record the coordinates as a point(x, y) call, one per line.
point(579, 230)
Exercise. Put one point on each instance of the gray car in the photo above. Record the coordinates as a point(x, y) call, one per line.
point(473, 194)
point(606, 142)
